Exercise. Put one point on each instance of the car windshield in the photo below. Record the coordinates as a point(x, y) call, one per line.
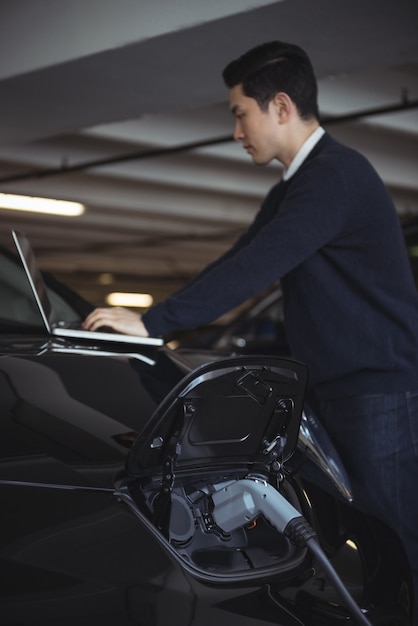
point(18, 308)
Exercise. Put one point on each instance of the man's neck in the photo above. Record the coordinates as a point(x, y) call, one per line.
point(303, 152)
point(299, 132)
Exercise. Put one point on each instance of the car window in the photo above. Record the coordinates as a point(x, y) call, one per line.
point(17, 304)
point(16, 300)
point(263, 327)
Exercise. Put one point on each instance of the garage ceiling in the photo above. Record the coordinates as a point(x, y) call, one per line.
point(121, 106)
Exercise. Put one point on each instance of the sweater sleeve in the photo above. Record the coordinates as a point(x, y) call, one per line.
point(263, 216)
point(296, 219)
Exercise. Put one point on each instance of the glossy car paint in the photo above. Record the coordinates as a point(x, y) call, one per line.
point(80, 543)
point(74, 551)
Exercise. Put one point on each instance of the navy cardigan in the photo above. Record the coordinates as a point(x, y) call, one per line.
point(332, 235)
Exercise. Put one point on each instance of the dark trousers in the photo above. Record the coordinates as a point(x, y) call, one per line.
point(377, 439)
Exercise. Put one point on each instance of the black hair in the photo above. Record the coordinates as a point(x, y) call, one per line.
point(276, 66)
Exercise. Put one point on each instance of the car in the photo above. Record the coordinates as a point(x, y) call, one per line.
point(151, 486)
point(257, 327)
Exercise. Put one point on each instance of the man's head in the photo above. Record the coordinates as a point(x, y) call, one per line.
point(276, 67)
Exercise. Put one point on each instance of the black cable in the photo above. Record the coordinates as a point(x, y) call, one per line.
point(300, 533)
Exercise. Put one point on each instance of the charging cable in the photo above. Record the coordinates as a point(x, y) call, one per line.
point(239, 503)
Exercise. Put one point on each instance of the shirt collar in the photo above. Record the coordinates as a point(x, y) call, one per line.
point(306, 148)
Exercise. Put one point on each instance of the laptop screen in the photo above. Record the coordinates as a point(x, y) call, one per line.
point(49, 317)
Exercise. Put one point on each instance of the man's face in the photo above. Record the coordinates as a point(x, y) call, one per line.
point(258, 130)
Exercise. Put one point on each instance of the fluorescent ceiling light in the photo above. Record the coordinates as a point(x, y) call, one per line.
point(40, 205)
point(140, 300)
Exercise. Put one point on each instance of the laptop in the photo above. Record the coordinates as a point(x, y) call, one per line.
point(52, 324)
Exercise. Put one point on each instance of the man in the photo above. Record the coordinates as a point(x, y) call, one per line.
point(330, 232)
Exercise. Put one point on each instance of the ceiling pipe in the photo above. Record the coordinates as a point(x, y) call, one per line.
point(325, 121)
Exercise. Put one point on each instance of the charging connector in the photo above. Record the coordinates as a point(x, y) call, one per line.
point(240, 502)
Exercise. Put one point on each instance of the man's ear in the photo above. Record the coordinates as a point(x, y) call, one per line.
point(284, 106)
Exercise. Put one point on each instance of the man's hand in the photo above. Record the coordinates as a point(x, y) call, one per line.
point(120, 319)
